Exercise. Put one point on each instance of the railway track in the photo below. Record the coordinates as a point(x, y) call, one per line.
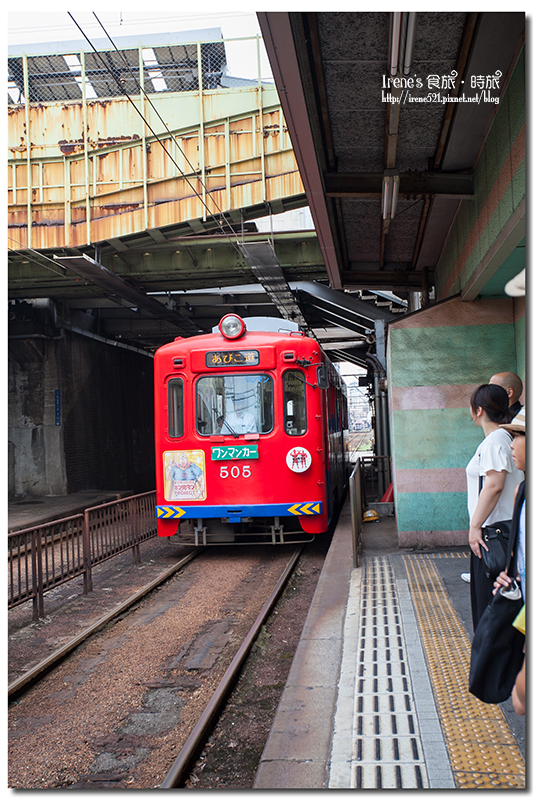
point(146, 689)
point(357, 439)
point(181, 767)
point(32, 677)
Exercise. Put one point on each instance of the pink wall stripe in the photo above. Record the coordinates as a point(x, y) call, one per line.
point(430, 480)
point(436, 539)
point(422, 397)
point(454, 312)
point(519, 308)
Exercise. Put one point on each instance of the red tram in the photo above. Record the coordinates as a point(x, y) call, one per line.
point(250, 434)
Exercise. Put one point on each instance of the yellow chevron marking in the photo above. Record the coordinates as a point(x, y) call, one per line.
point(305, 508)
point(169, 512)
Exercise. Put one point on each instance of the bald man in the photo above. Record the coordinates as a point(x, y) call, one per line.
point(513, 386)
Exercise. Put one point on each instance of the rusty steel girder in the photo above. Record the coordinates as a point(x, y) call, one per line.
point(96, 170)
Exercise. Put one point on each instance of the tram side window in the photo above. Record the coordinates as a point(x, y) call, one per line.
point(175, 407)
point(295, 414)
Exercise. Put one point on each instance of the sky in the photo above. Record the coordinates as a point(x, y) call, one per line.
point(34, 25)
point(38, 26)
point(26, 27)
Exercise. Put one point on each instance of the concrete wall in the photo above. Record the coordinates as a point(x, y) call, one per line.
point(36, 462)
point(100, 436)
point(436, 358)
point(498, 209)
point(520, 338)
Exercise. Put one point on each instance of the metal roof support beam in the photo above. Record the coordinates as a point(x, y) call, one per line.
point(459, 186)
point(347, 356)
point(343, 345)
point(279, 43)
point(393, 280)
point(341, 301)
point(342, 321)
point(379, 327)
point(265, 266)
point(92, 271)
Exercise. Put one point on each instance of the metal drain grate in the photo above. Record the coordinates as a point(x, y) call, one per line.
point(387, 751)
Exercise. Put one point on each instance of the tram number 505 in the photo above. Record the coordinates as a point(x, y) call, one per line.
point(235, 471)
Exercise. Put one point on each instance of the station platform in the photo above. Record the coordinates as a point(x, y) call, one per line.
point(377, 695)
point(30, 511)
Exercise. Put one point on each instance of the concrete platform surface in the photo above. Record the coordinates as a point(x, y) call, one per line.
point(31, 511)
point(372, 700)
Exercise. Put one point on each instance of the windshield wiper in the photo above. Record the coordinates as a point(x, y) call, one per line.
point(226, 424)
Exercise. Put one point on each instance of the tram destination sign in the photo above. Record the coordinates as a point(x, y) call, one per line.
point(235, 452)
point(232, 358)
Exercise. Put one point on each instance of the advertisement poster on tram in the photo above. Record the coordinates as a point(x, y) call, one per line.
point(184, 472)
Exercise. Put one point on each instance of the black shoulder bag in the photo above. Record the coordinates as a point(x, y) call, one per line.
point(498, 647)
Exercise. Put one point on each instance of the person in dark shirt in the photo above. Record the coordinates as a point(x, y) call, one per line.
point(513, 386)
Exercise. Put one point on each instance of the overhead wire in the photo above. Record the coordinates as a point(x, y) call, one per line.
point(107, 69)
point(150, 128)
point(176, 142)
point(27, 250)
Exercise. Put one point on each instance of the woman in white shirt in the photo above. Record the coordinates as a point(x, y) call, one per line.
point(492, 461)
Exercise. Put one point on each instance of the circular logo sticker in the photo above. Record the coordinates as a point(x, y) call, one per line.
point(298, 459)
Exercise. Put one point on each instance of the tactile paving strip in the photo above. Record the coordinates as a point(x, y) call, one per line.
point(387, 751)
point(481, 748)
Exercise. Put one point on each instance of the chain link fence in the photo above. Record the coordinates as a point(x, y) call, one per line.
point(225, 64)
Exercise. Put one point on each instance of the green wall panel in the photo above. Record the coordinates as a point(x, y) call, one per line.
point(434, 438)
point(519, 184)
point(520, 338)
point(492, 167)
point(450, 355)
point(428, 511)
point(517, 96)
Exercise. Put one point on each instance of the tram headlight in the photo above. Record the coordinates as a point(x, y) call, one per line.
point(232, 326)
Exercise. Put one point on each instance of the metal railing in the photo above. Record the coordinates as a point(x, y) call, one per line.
point(72, 74)
point(376, 477)
point(370, 477)
point(356, 508)
point(50, 554)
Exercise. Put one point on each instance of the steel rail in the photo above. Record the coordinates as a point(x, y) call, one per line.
point(192, 747)
point(31, 677)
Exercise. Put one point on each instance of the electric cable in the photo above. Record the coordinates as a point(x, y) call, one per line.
point(141, 90)
point(106, 68)
point(146, 96)
point(150, 128)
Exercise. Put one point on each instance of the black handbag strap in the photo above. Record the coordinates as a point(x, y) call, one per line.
point(511, 555)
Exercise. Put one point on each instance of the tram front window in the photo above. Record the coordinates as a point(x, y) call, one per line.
point(234, 404)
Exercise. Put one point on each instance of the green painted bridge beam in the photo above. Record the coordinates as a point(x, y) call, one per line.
point(187, 263)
